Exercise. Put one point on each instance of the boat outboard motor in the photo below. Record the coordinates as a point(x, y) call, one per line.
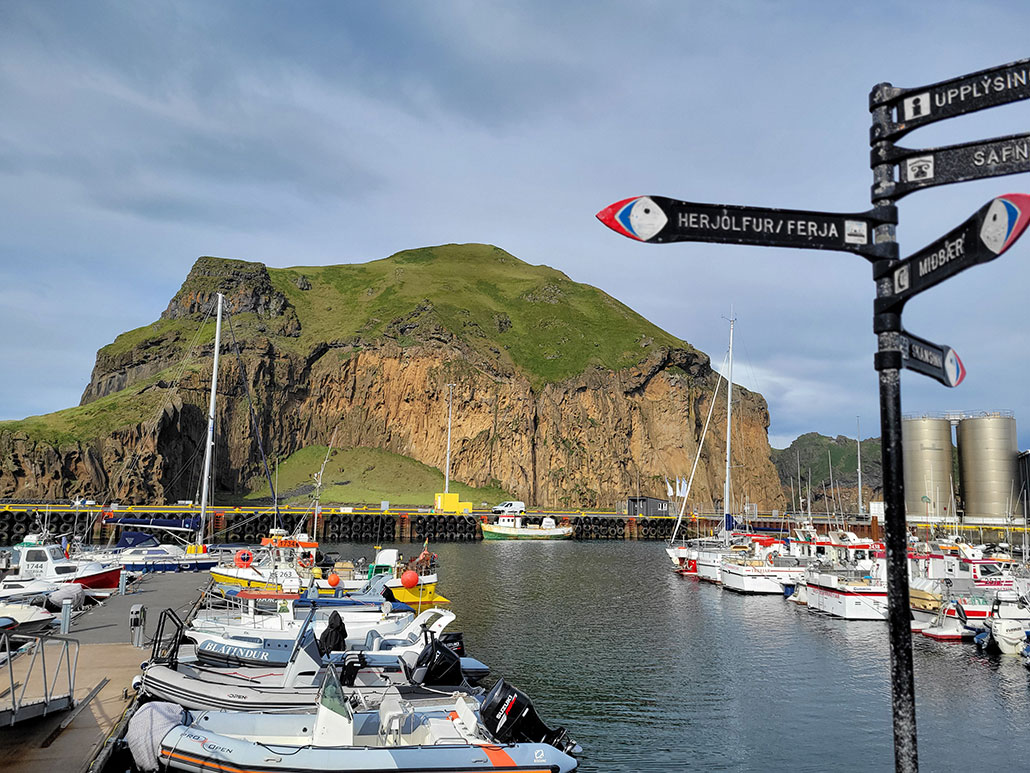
point(454, 641)
point(437, 665)
point(509, 715)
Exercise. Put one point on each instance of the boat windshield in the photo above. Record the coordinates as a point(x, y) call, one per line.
point(332, 696)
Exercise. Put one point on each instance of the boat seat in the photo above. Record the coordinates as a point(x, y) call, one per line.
point(439, 731)
point(389, 644)
point(469, 722)
point(373, 639)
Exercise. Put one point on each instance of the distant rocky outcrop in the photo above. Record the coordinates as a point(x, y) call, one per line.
point(561, 394)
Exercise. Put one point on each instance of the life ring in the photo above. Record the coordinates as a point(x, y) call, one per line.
point(770, 559)
point(244, 558)
point(305, 563)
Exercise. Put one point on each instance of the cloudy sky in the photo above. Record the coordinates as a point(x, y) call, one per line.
point(135, 137)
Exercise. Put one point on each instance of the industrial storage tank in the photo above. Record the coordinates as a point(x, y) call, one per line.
point(987, 451)
point(927, 453)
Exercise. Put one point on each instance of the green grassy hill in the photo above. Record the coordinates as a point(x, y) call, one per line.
point(361, 475)
point(817, 452)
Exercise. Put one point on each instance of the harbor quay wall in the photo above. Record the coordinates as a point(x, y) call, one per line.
point(414, 524)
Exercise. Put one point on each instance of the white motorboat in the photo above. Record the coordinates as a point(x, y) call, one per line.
point(28, 618)
point(250, 647)
point(25, 588)
point(294, 686)
point(440, 733)
point(145, 553)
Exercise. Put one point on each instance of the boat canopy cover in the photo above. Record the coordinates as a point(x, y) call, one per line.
point(179, 524)
point(136, 539)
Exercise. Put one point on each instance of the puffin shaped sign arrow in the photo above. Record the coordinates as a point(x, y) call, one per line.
point(992, 230)
point(657, 219)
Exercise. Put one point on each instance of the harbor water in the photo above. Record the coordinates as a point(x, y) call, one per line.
point(651, 671)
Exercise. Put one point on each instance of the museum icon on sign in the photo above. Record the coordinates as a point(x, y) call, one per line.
point(920, 168)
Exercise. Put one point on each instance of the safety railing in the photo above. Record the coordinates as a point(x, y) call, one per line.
point(38, 675)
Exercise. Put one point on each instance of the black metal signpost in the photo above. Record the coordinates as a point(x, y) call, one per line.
point(987, 234)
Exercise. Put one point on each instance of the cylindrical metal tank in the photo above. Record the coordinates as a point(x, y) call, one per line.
point(987, 463)
point(927, 452)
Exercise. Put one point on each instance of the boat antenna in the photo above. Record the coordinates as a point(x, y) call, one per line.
point(210, 424)
point(858, 440)
point(318, 480)
point(728, 518)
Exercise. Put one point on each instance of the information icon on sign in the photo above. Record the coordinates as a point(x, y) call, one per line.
point(916, 106)
point(920, 168)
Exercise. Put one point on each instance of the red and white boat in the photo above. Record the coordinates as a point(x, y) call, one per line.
point(48, 562)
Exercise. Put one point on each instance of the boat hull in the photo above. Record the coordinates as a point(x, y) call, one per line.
point(850, 601)
point(492, 531)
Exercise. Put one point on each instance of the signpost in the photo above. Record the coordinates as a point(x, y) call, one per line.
point(657, 219)
point(991, 231)
point(950, 164)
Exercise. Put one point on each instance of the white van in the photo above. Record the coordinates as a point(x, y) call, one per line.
point(510, 508)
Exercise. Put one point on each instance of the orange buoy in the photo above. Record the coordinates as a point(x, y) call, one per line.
point(333, 580)
point(409, 579)
point(244, 558)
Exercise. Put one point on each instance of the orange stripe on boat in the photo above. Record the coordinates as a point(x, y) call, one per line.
point(498, 756)
point(206, 763)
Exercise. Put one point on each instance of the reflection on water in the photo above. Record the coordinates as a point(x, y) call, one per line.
point(651, 671)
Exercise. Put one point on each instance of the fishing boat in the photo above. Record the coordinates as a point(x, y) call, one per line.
point(512, 527)
point(442, 733)
point(845, 578)
point(287, 563)
point(51, 564)
point(763, 569)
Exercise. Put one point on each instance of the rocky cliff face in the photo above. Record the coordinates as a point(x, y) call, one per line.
point(587, 441)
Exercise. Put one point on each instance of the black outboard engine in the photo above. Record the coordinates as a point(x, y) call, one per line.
point(454, 641)
point(509, 715)
point(437, 665)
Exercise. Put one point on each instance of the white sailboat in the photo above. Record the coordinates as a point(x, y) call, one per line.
point(703, 557)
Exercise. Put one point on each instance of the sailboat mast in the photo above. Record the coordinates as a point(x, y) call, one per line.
point(858, 440)
point(210, 424)
point(729, 418)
